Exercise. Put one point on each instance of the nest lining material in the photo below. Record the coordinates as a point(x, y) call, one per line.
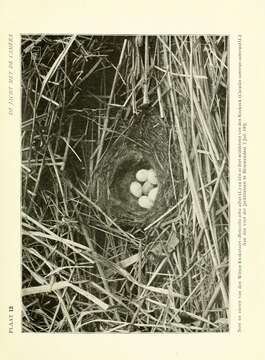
point(144, 145)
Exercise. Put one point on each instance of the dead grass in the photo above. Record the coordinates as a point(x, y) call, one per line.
point(83, 271)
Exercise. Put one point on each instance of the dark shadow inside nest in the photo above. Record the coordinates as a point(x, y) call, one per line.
point(122, 178)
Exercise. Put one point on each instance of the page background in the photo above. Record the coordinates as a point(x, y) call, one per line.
point(117, 17)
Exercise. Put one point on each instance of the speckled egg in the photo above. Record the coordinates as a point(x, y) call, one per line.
point(152, 178)
point(147, 187)
point(144, 202)
point(136, 189)
point(142, 175)
point(152, 194)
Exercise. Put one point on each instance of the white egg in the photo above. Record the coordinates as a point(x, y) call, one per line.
point(142, 175)
point(152, 177)
point(136, 189)
point(144, 202)
point(147, 187)
point(152, 194)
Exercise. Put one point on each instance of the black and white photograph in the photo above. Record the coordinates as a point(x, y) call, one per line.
point(125, 196)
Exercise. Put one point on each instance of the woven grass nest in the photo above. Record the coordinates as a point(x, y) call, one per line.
point(144, 145)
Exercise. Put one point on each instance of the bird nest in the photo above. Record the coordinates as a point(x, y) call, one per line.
point(145, 145)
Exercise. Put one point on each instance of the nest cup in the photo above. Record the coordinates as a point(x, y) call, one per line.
point(143, 146)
